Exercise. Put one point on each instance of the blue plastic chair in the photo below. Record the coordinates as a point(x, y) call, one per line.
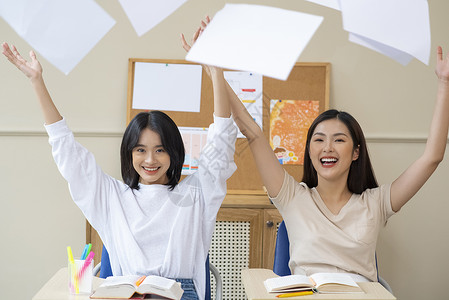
point(282, 256)
point(282, 252)
point(105, 270)
point(104, 267)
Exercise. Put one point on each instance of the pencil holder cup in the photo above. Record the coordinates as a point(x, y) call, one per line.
point(80, 277)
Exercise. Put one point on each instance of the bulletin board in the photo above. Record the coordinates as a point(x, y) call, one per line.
point(307, 81)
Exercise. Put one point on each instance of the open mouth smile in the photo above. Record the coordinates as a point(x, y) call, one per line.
point(151, 169)
point(328, 161)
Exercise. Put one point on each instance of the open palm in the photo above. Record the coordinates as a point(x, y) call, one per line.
point(31, 69)
point(197, 33)
point(442, 68)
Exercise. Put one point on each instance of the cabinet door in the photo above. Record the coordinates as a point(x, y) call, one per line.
point(236, 245)
point(271, 222)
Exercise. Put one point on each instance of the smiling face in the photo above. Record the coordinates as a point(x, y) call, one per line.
point(332, 150)
point(150, 160)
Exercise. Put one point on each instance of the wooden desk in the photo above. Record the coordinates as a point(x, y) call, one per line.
point(255, 290)
point(57, 288)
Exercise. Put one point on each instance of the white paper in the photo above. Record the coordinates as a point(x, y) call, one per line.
point(328, 3)
point(63, 32)
point(399, 24)
point(399, 56)
point(248, 87)
point(194, 139)
point(254, 38)
point(175, 87)
point(145, 14)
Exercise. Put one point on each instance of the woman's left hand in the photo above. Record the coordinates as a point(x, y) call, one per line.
point(197, 33)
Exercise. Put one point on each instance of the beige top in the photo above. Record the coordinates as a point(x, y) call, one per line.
point(323, 242)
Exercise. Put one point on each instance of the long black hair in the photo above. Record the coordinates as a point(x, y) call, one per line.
point(361, 175)
point(163, 125)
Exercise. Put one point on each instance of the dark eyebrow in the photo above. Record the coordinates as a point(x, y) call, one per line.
point(318, 133)
point(336, 134)
point(340, 133)
point(143, 146)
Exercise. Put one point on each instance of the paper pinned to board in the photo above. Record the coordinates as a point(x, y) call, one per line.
point(146, 14)
point(194, 139)
point(173, 87)
point(289, 122)
point(63, 32)
point(254, 38)
point(398, 29)
point(249, 89)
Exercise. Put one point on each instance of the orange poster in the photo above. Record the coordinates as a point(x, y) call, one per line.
point(289, 122)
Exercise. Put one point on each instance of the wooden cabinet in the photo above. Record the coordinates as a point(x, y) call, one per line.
point(272, 219)
point(244, 237)
point(255, 208)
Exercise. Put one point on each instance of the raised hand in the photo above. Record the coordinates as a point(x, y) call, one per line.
point(409, 182)
point(32, 69)
point(442, 68)
point(196, 34)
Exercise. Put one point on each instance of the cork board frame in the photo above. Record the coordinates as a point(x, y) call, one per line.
point(307, 81)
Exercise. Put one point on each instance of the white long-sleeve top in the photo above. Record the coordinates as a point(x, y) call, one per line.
point(151, 230)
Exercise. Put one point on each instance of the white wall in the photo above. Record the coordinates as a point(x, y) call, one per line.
point(393, 104)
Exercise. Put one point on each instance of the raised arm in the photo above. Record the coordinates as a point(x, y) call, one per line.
point(409, 182)
point(270, 169)
point(221, 106)
point(33, 70)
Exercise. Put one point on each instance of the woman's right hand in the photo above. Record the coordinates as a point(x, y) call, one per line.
point(32, 69)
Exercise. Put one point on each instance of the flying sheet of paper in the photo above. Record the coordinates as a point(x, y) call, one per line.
point(399, 56)
point(175, 87)
point(335, 4)
point(400, 24)
point(248, 87)
point(259, 39)
point(63, 32)
point(145, 14)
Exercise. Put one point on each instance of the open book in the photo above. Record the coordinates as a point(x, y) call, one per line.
point(321, 282)
point(128, 287)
